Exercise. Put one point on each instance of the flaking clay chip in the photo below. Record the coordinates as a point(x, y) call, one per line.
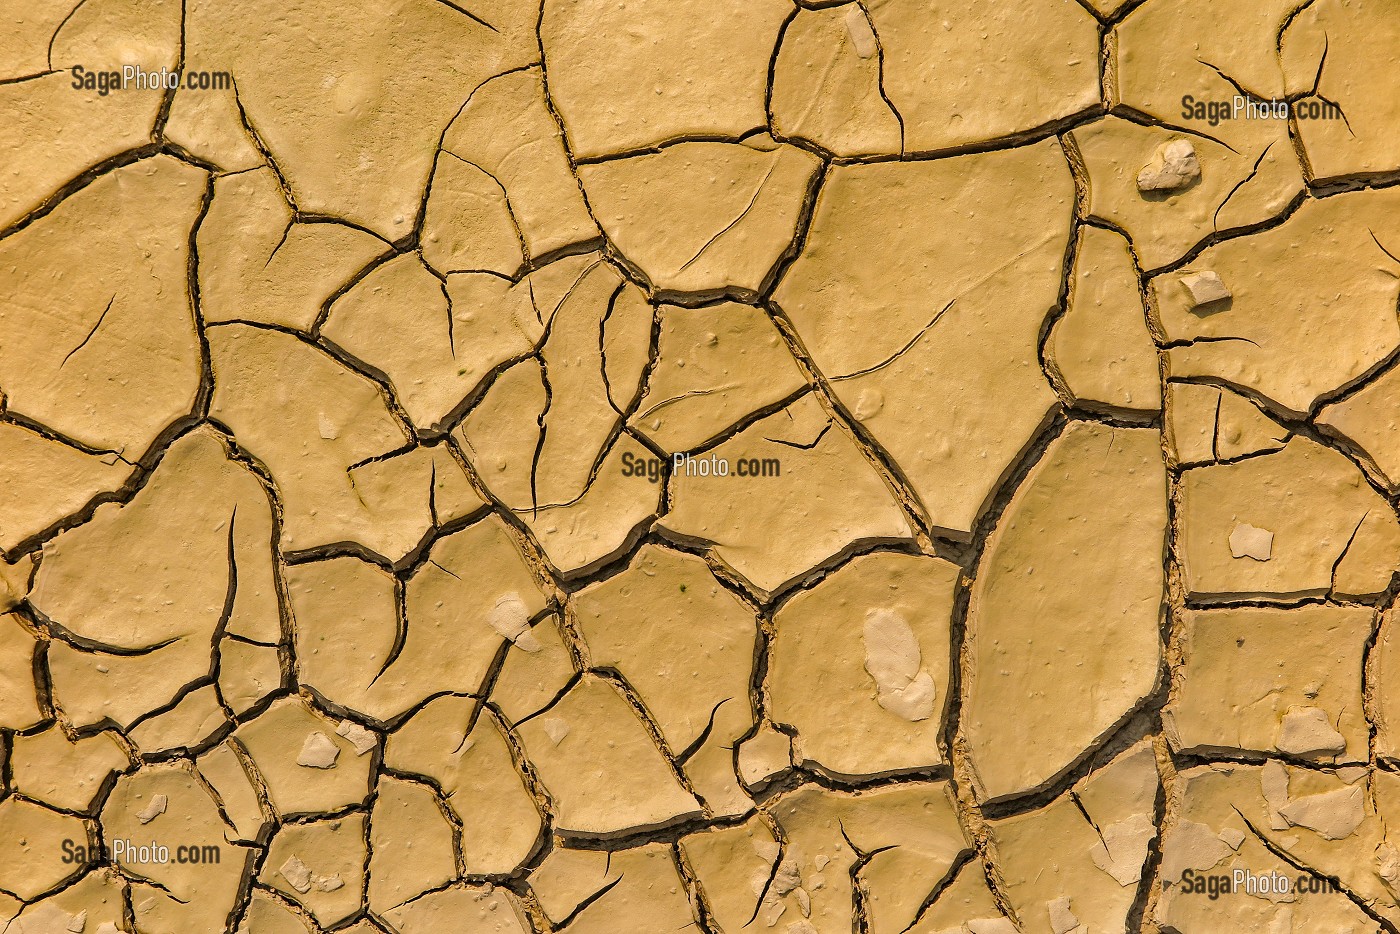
point(297, 874)
point(1062, 919)
point(511, 618)
point(318, 752)
point(362, 739)
point(892, 657)
point(154, 809)
point(858, 27)
point(1173, 166)
point(1306, 731)
point(1247, 541)
point(1205, 288)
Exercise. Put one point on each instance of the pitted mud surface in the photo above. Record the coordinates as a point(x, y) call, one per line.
point(636, 466)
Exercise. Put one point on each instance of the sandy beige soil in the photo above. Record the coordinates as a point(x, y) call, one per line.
point(642, 466)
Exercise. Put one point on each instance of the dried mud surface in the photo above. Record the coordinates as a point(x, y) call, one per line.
point(524, 466)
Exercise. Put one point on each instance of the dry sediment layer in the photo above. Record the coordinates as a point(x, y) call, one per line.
point(533, 466)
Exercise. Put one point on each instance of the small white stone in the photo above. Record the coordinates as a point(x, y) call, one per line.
point(318, 752)
point(330, 883)
point(78, 922)
point(1205, 287)
point(1248, 541)
point(154, 809)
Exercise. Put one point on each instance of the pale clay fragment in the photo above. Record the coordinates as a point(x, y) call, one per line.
point(1205, 288)
point(1273, 784)
point(1173, 166)
point(862, 36)
point(914, 701)
point(1388, 865)
point(1119, 852)
point(297, 874)
point(1306, 731)
point(78, 922)
point(1191, 845)
point(318, 752)
point(1062, 919)
point(362, 739)
point(153, 810)
point(511, 618)
point(991, 926)
point(1332, 814)
point(892, 657)
point(1247, 541)
point(555, 729)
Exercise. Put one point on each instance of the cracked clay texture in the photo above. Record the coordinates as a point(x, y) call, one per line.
point(726, 466)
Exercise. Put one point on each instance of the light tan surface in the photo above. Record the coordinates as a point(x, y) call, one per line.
point(715, 466)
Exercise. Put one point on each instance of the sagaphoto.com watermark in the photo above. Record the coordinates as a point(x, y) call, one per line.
point(136, 78)
point(132, 853)
point(1272, 885)
point(1240, 107)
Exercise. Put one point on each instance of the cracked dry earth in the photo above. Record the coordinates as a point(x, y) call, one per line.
point(1030, 556)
